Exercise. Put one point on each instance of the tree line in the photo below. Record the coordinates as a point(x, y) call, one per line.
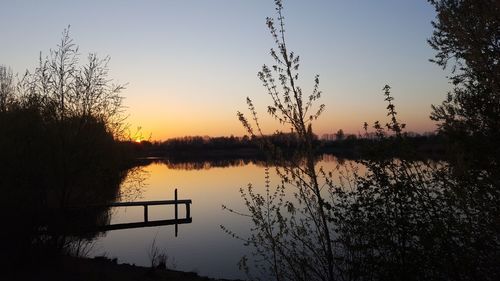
point(351, 146)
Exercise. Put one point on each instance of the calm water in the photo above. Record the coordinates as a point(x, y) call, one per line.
point(201, 246)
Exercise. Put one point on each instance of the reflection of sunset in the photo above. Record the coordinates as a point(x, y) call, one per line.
point(209, 189)
point(210, 186)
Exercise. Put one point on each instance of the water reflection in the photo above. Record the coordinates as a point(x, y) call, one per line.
point(55, 226)
point(45, 222)
point(201, 246)
point(203, 163)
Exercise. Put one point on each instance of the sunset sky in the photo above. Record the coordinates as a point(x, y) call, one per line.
point(189, 65)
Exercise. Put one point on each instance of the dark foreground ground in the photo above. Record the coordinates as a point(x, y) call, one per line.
point(100, 269)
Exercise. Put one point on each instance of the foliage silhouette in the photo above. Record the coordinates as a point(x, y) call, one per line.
point(61, 124)
point(404, 218)
point(297, 246)
point(467, 39)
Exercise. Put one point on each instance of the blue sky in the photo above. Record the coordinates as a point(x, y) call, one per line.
point(189, 65)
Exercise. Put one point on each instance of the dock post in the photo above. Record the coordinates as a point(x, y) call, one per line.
point(188, 210)
point(145, 213)
point(176, 212)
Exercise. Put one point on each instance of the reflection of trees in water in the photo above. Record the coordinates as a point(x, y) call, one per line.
point(328, 158)
point(202, 163)
point(206, 164)
point(38, 229)
point(71, 230)
point(37, 234)
point(133, 185)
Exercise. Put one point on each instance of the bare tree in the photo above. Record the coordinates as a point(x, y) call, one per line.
point(69, 90)
point(298, 246)
point(7, 88)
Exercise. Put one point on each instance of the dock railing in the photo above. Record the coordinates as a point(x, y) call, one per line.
point(146, 223)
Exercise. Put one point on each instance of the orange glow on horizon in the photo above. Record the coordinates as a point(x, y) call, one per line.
point(164, 129)
point(167, 118)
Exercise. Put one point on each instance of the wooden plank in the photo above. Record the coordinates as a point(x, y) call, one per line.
point(149, 203)
point(135, 203)
point(176, 212)
point(144, 224)
point(118, 226)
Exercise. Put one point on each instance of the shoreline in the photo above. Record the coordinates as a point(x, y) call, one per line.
point(101, 268)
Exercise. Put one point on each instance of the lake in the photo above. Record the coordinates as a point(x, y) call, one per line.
point(200, 246)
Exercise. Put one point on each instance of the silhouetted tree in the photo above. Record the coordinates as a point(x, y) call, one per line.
point(6, 88)
point(467, 38)
point(402, 219)
point(339, 135)
point(60, 125)
point(69, 90)
point(298, 245)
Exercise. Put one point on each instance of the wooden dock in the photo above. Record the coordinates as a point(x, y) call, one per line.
point(145, 223)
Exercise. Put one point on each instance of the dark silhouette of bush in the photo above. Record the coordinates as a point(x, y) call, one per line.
point(405, 218)
point(59, 149)
point(466, 39)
